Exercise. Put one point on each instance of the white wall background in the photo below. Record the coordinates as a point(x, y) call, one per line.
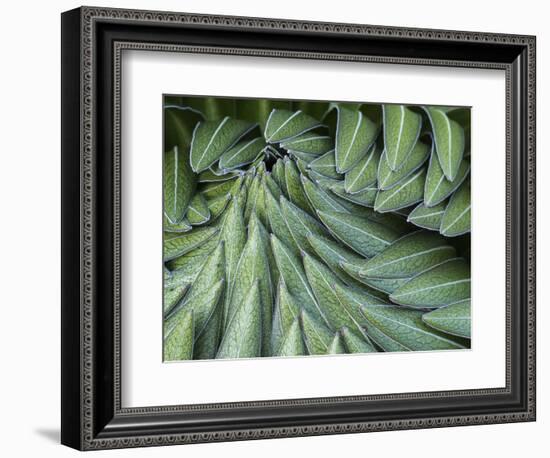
point(30, 240)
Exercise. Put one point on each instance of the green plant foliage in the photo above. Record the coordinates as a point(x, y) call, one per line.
point(401, 131)
point(312, 228)
point(355, 133)
point(453, 318)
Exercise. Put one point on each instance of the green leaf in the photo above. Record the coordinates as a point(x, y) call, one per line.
point(443, 284)
point(198, 212)
point(364, 236)
point(456, 219)
point(408, 256)
point(317, 336)
point(356, 344)
point(217, 206)
point(188, 265)
point(241, 194)
point(179, 184)
point(325, 165)
point(360, 296)
point(243, 153)
point(310, 144)
point(336, 347)
point(178, 345)
point(393, 220)
point(449, 141)
point(258, 110)
point(365, 198)
point(277, 222)
point(295, 279)
point(213, 138)
point(387, 178)
point(172, 295)
point(183, 243)
point(278, 174)
point(355, 133)
point(406, 327)
point(182, 226)
point(254, 224)
point(385, 285)
point(320, 180)
point(463, 116)
point(252, 198)
point(428, 217)
point(261, 206)
point(283, 125)
point(331, 253)
point(453, 319)
point(285, 312)
point(253, 267)
point(243, 336)
point(207, 343)
point(410, 191)
point(296, 193)
point(293, 344)
point(206, 305)
point(319, 198)
point(179, 123)
point(312, 108)
point(437, 187)
point(363, 174)
point(233, 233)
point(323, 282)
point(385, 342)
point(301, 166)
point(401, 132)
point(204, 294)
point(220, 188)
point(213, 174)
point(272, 186)
point(300, 224)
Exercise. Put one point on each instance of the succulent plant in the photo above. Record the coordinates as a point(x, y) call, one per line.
point(311, 228)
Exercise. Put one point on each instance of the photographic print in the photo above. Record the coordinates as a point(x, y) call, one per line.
point(296, 228)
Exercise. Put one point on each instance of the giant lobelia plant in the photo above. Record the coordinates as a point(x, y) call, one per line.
point(309, 228)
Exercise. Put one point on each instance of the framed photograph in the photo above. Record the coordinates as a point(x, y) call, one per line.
point(276, 228)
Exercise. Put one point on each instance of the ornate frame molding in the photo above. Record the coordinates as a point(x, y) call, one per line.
point(89, 436)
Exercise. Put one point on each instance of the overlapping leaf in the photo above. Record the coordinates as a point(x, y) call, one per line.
point(179, 184)
point(443, 284)
point(283, 125)
point(408, 256)
point(364, 173)
point(401, 131)
point(456, 219)
point(453, 319)
point(243, 336)
point(364, 236)
point(355, 133)
point(211, 139)
point(449, 141)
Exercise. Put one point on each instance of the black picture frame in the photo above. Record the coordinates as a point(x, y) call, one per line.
point(92, 42)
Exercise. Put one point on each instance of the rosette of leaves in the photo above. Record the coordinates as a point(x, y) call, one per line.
point(309, 228)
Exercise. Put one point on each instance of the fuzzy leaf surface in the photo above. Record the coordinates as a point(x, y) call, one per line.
point(452, 319)
point(213, 138)
point(355, 133)
point(449, 141)
point(443, 284)
point(408, 256)
point(365, 237)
